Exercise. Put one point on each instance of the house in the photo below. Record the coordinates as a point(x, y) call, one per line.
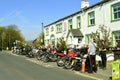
point(77, 27)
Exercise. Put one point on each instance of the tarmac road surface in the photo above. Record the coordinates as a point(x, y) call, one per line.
point(22, 68)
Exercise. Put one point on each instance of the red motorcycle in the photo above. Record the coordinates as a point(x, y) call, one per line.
point(69, 60)
point(60, 59)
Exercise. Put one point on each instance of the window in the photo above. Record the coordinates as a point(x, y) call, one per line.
point(52, 39)
point(87, 38)
point(79, 40)
point(48, 41)
point(78, 22)
point(59, 28)
point(116, 11)
point(91, 19)
point(52, 29)
point(116, 36)
point(47, 31)
point(70, 24)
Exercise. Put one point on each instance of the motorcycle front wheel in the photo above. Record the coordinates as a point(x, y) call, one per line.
point(68, 65)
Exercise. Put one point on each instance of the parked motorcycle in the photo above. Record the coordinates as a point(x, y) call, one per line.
point(60, 59)
point(74, 62)
point(32, 53)
point(77, 63)
point(46, 56)
point(69, 59)
point(52, 56)
point(17, 51)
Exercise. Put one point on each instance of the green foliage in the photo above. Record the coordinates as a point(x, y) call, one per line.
point(39, 40)
point(2, 29)
point(9, 35)
point(103, 33)
point(62, 44)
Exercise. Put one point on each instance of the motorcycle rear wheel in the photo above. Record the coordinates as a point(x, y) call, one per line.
point(60, 63)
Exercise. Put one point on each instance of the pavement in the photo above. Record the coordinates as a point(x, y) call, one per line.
point(99, 75)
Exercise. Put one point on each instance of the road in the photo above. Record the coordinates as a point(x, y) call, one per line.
point(13, 67)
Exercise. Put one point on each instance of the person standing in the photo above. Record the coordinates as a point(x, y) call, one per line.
point(103, 54)
point(116, 51)
point(92, 56)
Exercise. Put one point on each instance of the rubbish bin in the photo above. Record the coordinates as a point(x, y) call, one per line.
point(116, 70)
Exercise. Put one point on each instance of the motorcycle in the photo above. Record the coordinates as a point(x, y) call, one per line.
point(77, 63)
point(60, 59)
point(32, 53)
point(46, 55)
point(42, 55)
point(69, 60)
point(74, 62)
point(52, 56)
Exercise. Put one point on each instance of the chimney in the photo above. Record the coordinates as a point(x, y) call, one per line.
point(84, 4)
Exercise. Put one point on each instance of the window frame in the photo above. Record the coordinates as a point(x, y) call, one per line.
point(78, 22)
point(47, 31)
point(59, 28)
point(87, 38)
point(112, 12)
point(52, 28)
point(89, 18)
point(114, 36)
point(70, 24)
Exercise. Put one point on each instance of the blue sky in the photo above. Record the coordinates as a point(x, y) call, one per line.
point(29, 14)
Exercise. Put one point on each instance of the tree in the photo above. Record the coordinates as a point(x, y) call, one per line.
point(103, 33)
point(2, 29)
point(62, 44)
point(39, 40)
point(11, 34)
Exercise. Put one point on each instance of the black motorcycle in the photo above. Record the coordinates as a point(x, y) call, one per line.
point(42, 55)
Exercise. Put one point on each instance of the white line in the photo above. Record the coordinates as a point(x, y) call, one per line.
point(40, 63)
point(14, 54)
point(85, 75)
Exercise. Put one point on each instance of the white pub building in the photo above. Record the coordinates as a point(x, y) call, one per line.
point(76, 28)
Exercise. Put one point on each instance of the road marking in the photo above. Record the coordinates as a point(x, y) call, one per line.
point(85, 75)
point(40, 63)
point(50, 66)
point(14, 54)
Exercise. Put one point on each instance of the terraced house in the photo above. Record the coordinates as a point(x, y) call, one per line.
point(75, 28)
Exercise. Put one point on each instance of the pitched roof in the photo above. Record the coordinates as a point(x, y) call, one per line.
point(84, 9)
point(75, 33)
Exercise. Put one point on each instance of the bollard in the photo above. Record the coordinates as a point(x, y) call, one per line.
point(83, 65)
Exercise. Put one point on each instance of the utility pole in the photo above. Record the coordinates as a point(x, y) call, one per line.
point(9, 41)
point(2, 41)
point(42, 33)
point(42, 27)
